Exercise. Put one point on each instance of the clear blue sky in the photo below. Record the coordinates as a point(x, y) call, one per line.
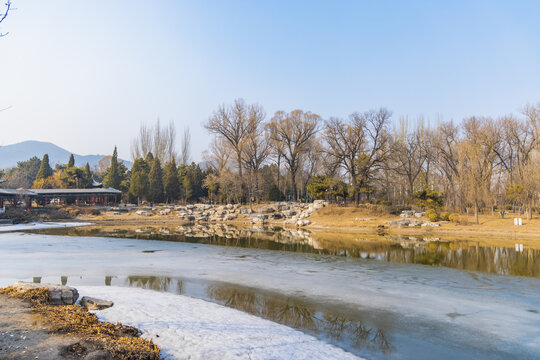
point(85, 74)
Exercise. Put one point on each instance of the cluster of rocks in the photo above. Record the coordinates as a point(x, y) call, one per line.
point(229, 231)
point(412, 213)
point(411, 223)
point(291, 212)
point(411, 218)
point(64, 295)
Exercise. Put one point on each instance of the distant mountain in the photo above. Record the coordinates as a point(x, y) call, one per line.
point(11, 154)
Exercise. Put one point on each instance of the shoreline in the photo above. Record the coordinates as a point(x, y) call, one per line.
point(34, 325)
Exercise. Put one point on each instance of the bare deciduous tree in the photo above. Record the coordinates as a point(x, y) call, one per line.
point(477, 156)
point(234, 123)
point(294, 131)
point(160, 141)
point(410, 152)
point(185, 154)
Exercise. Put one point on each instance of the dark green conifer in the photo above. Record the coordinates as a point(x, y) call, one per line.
point(113, 179)
point(45, 169)
point(172, 183)
point(138, 187)
point(71, 162)
point(155, 182)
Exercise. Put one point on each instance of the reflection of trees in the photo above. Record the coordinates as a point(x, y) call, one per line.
point(158, 283)
point(301, 315)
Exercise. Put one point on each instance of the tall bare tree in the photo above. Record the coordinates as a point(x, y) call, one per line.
point(185, 154)
point(255, 152)
point(477, 160)
point(294, 131)
point(345, 142)
point(235, 123)
point(410, 152)
point(160, 141)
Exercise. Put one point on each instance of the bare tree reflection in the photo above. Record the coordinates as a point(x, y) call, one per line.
point(301, 315)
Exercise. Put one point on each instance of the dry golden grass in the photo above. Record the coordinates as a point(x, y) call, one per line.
point(122, 342)
point(490, 227)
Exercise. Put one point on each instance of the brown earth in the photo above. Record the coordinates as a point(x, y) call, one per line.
point(32, 328)
point(25, 335)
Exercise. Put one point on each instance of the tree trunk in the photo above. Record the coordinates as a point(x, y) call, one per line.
point(278, 171)
point(239, 159)
point(476, 212)
point(293, 183)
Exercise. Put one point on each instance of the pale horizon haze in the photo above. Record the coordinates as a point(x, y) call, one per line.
point(85, 74)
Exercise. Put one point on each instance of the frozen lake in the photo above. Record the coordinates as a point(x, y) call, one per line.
point(367, 307)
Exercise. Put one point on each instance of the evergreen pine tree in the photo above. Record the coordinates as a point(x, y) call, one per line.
point(87, 177)
point(149, 158)
point(138, 187)
point(45, 169)
point(71, 162)
point(172, 183)
point(155, 182)
point(112, 179)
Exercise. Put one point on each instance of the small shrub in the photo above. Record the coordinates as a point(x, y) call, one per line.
point(455, 218)
point(432, 215)
point(90, 211)
point(445, 216)
point(398, 209)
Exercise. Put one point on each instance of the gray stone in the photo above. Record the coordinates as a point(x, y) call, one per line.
point(58, 294)
point(95, 304)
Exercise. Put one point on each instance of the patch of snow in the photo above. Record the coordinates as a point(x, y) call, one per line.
point(187, 328)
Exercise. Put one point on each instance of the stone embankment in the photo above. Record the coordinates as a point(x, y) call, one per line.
point(289, 212)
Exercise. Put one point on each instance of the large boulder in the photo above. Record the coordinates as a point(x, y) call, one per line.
point(58, 294)
point(95, 304)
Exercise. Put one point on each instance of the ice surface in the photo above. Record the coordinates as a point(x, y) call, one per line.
point(187, 328)
point(483, 311)
point(40, 225)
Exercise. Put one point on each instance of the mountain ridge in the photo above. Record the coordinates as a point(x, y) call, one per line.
point(22, 151)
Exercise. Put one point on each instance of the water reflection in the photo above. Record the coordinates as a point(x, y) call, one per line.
point(459, 254)
point(344, 327)
point(157, 283)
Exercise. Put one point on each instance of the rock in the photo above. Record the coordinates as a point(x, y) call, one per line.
point(289, 213)
point(59, 294)
point(407, 213)
point(432, 224)
point(230, 216)
point(419, 214)
point(303, 222)
point(142, 213)
point(95, 304)
point(277, 216)
point(400, 223)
